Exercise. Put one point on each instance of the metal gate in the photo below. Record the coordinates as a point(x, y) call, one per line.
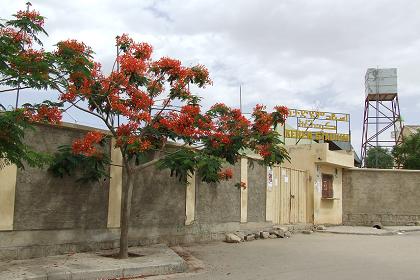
point(289, 195)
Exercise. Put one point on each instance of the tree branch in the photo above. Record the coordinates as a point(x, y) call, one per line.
point(87, 111)
point(156, 160)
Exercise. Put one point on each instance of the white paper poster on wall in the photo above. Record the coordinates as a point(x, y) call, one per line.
point(269, 178)
point(318, 186)
point(286, 179)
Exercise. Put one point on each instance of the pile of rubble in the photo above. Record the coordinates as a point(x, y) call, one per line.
point(275, 232)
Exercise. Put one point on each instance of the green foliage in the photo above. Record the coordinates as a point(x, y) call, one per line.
point(278, 153)
point(407, 154)
point(183, 162)
point(18, 69)
point(208, 168)
point(13, 150)
point(85, 169)
point(378, 157)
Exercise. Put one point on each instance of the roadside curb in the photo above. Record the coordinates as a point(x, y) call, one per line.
point(155, 260)
point(358, 233)
point(384, 231)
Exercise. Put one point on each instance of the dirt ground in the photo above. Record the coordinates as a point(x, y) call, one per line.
point(315, 256)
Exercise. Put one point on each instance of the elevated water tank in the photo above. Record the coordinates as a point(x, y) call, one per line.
point(382, 82)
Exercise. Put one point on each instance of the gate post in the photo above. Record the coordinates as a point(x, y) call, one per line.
point(7, 196)
point(244, 191)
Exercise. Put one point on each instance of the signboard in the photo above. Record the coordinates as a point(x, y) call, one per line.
point(316, 125)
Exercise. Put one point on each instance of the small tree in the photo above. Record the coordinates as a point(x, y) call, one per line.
point(145, 103)
point(378, 157)
point(407, 154)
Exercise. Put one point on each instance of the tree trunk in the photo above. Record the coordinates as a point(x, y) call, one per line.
point(126, 209)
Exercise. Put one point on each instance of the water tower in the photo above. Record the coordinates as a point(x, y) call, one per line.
point(381, 121)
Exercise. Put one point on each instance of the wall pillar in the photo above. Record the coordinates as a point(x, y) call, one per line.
point(244, 192)
point(7, 196)
point(269, 204)
point(190, 200)
point(115, 187)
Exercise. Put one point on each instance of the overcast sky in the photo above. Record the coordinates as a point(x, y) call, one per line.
point(310, 54)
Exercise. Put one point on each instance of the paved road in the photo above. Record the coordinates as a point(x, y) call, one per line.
point(316, 256)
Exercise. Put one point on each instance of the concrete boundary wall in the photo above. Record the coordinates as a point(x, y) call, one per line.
point(41, 215)
point(390, 197)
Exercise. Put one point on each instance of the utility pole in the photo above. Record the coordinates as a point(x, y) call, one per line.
point(240, 98)
point(28, 4)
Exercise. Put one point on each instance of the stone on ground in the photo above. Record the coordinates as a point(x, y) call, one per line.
point(264, 234)
point(278, 233)
point(241, 235)
point(282, 228)
point(321, 227)
point(249, 237)
point(232, 238)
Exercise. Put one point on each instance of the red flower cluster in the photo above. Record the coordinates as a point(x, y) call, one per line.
point(72, 46)
point(30, 62)
point(242, 185)
point(127, 129)
point(168, 65)
point(280, 114)
point(228, 124)
point(264, 150)
point(15, 35)
point(201, 73)
point(33, 16)
point(145, 145)
point(155, 88)
point(132, 65)
point(142, 51)
point(187, 123)
point(262, 120)
point(282, 110)
point(126, 136)
point(124, 40)
point(85, 146)
point(44, 114)
point(225, 174)
point(32, 55)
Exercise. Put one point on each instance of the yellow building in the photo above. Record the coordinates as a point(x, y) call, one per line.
point(308, 189)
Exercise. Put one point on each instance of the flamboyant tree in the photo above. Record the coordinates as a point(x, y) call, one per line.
point(145, 103)
point(23, 65)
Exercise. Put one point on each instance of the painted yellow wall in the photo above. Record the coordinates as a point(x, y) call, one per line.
point(315, 159)
point(115, 188)
point(328, 211)
point(271, 193)
point(7, 196)
point(190, 200)
point(303, 157)
point(244, 192)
